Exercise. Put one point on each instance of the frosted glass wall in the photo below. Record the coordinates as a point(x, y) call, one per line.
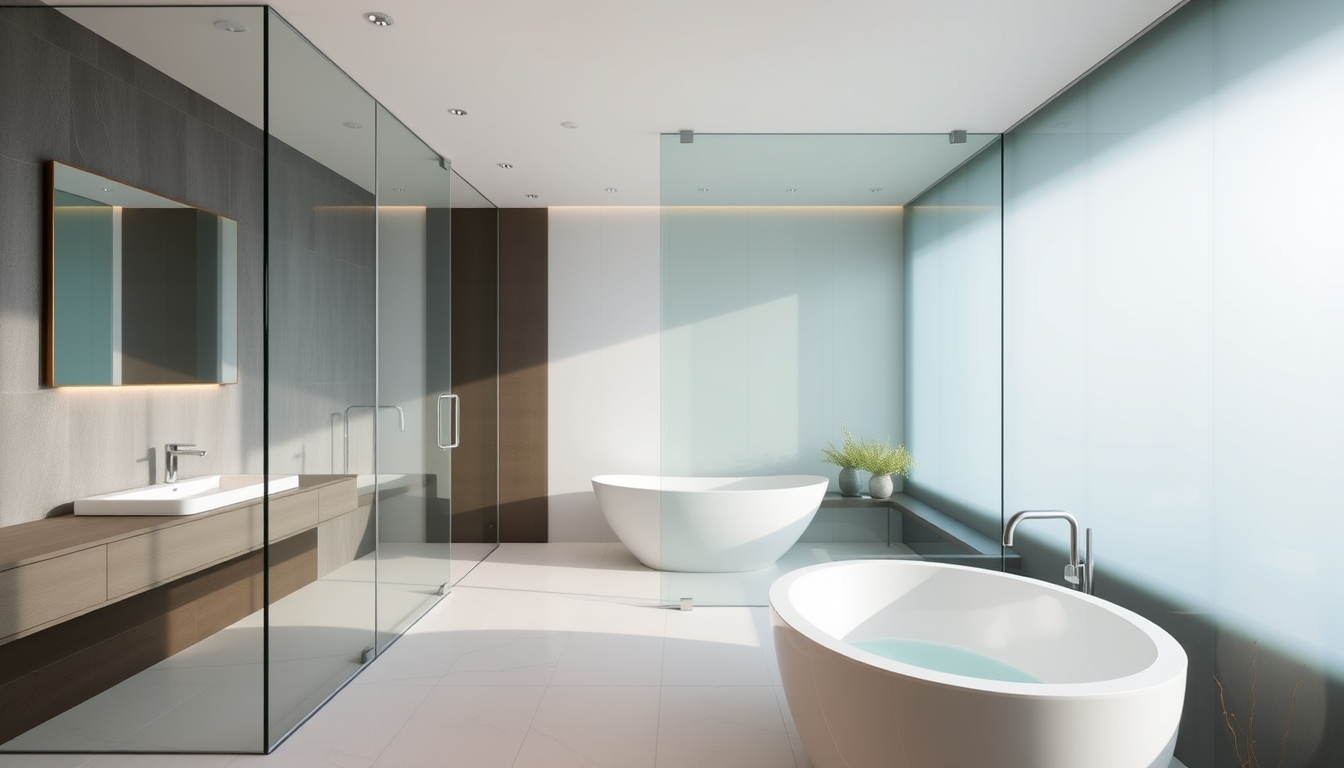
point(779, 324)
point(1174, 353)
point(953, 350)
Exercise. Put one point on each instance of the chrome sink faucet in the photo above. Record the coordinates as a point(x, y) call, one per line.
point(1079, 571)
point(170, 452)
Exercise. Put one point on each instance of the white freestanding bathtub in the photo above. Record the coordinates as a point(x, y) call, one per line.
point(1109, 690)
point(709, 524)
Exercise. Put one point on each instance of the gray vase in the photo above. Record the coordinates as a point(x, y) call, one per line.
point(850, 484)
point(881, 486)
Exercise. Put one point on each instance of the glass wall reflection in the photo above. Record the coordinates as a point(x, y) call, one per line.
point(322, 396)
point(474, 225)
point(418, 423)
point(147, 633)
point(789, 292)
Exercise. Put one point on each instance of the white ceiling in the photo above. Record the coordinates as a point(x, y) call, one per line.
point(628, 70)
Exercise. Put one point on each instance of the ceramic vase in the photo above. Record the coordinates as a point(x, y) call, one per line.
point(881, 486)
point(850, 482)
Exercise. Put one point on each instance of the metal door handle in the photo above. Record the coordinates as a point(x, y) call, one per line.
point(457, 421)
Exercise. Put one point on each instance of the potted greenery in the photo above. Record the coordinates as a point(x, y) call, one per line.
point(882, 461)
point(848, 459)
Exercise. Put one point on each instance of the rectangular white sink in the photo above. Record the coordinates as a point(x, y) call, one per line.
point(185, 497)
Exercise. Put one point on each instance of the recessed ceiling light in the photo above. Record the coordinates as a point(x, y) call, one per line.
point(378, 19)
point(530, 196)
point(458, 112)
point(791, 189)
point(352, 124)
point(569, 124)
point(703, 189)
point(609, 189)
point(107, 189)
point(875, 189)
point(505, 165)
point(398, 189)
point(229, 25)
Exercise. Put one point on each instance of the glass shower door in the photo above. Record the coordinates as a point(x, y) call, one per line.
point(417, 425)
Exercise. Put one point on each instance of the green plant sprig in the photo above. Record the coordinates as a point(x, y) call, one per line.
point(879, 458)
point(874, 456)
point(846, 457)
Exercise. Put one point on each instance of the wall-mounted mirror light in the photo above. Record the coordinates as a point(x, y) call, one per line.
point(143, 289)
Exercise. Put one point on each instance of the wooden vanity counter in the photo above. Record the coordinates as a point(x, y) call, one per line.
point(55, 569)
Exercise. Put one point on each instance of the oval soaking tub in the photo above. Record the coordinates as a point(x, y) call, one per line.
point(709, 524)
point(900, 663)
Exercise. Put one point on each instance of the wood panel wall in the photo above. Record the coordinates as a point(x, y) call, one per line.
point(475, 372)
point(523, 253)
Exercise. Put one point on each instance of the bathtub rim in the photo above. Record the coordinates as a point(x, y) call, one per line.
point(1169, 666)
point(800, 482)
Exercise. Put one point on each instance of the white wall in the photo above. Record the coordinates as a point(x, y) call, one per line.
point(604, 358)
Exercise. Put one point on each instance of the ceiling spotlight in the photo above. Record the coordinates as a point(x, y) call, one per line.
point(569, 124)
point(703, 189)
point(504, 165)
point(378, 19)
point(398, 189)
point(875, 189)
point(352, 124)
point(530, 196)
point(609, 189)
point(229, 25)
point(107, 189)
point(458, 112)
point(791, 190)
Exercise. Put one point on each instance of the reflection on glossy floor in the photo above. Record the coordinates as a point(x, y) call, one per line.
point(546, 656)
point(209, 696)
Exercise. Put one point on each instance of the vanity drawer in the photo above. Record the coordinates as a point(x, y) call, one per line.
point(152, 558)
point(32, 595)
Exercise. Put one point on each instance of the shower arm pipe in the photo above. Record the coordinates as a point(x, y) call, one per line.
point(345, 436)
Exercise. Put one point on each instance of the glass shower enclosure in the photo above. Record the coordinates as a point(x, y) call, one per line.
point(813, 284)
point(367, 361)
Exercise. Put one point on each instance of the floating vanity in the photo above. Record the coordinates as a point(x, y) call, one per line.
point(88, 601)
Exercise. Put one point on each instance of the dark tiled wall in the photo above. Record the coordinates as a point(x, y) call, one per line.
point(68, 95)
point(524, 248)
point(323, 240)
point(475, 373)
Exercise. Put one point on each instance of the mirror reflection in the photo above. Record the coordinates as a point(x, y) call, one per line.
point(144, 290)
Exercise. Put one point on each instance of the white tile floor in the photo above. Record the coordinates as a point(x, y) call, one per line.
point(545, 656)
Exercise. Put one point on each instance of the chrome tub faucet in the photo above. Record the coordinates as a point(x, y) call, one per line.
point(1079, 571)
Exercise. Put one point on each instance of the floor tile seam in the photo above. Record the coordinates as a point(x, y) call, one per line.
point(441, 684)
point(126, 739)
point(518, 754)
point(638, 601)
point(400, 728)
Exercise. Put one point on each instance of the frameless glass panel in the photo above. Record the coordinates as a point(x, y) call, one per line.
point(322, 386)
point(786, 284)
point(418, 426)
point(146, 633)
point(474, 225)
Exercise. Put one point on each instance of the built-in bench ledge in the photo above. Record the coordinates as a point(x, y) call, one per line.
point(931, 534)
